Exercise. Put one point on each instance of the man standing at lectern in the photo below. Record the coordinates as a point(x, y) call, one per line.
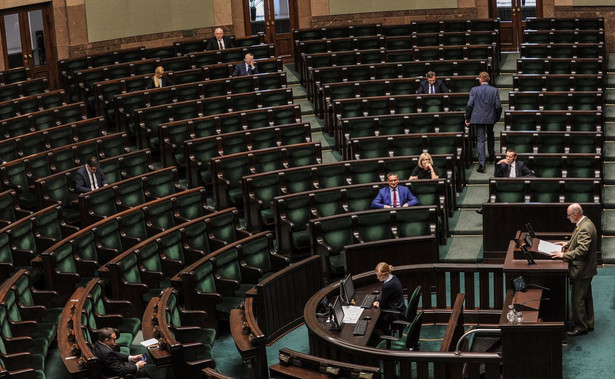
point(580, 253)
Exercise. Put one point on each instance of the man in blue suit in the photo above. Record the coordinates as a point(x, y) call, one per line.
point(394, 195)
point(431, 84)
point(484, 110)
point(248, 67)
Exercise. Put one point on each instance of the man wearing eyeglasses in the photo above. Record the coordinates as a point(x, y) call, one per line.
point(115, 363)
point(580, 253)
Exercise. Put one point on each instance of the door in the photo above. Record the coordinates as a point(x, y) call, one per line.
point(512, 14)
point(27, 40)
point(275, 18)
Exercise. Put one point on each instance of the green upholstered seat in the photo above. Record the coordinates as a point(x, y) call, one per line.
point(409, 339)
point(544, 192)
point(510, 192)
point(103, 307)
point(131, 193)
point(160, 215)
point(227, 266)
point(374, 226)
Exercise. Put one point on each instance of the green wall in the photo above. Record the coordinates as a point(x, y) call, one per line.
point(110, 19)
point(362, 6)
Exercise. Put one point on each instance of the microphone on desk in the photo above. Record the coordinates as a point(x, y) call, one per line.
point(537, 286)
point(528, 301)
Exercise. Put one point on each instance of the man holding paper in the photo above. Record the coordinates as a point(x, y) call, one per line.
point(580, 253)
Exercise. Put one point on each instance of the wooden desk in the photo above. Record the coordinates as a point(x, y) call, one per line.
point(528, 302)
point(547, 272)
point(347, 329)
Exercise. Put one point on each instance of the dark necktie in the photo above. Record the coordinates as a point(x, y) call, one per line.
point(249, 70)
point(395, 198)
point(431, 90)
point(220, 44)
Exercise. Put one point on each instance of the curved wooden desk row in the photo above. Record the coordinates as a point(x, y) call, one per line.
point(483, 286)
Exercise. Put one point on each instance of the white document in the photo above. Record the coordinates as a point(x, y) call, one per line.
point(351, 314)
point(548, 247)
point(149, 342)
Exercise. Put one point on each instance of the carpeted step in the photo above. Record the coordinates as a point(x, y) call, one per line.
point(508, 62)
point(505, 81)
point(292, 76)
point(462, 249)
point(608, 222)
point(609, 173)
point(299, 92)
point(473, 195)
point(609, 151)
point(608, 249)
point(609, 131)
point(608, 196)
point(466, 222)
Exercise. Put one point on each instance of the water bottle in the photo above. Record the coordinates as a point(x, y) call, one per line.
point(511, 316)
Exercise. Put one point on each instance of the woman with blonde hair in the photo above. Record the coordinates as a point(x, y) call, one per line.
point(425, 168)
point(391, 296)
point(160, 79)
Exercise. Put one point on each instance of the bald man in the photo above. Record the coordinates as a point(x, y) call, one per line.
point(580, 253)
point(219, 41)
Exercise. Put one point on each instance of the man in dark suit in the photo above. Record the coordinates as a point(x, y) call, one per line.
point(431, 84)
point(248, 67)
point(160, 79)
point(115, 363)
point(510, 167)
point(394, 195)
point(483, 111)
point(219, 41)
point(580, 253)
point(90, 176)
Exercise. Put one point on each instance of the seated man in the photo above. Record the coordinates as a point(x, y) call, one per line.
point(89, 177)
point(510, 167)
point(113, 362)
point(394, 195)
point(248, 67)
point(432, 85)
point(219, 41)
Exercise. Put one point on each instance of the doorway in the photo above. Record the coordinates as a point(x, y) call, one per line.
point(512, 14)
point(27, 39)
point(275, 18)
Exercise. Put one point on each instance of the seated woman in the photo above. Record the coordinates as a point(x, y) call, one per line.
point(391, 297)
point(425, 169)
point(160, 79)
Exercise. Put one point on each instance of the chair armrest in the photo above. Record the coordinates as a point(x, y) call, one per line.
point(23, 328)
point(151, 278)
point(18, 344)
point(17, 361)
point(194, 318)
point(227, 286)
point(111, 320)
point(32, 312)
point(388, 340)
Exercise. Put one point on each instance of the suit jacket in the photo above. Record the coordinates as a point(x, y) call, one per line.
point(113, 362)
point(241, 70)
point(166, 82)
point(521, 169)
point(82, 179)
point(212, 43)
point(581, 253)
point(484, 105)
point(392, 296)
point(438, 86)
point(384, 197)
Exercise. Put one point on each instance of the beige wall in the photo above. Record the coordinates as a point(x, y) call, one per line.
point(72, 32)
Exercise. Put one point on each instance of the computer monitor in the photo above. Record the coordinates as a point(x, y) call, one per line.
point(337, 315)
point(347, 290)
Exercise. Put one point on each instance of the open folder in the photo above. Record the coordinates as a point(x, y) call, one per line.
point(547, 247)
